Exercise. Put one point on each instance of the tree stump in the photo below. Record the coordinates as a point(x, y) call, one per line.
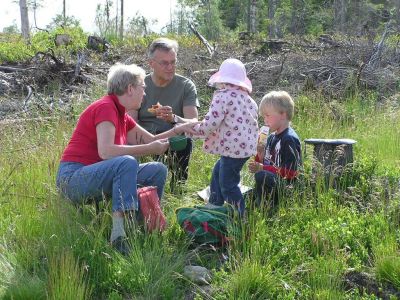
point(330, 157)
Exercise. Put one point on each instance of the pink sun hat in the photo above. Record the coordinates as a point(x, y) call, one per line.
point(232, 71)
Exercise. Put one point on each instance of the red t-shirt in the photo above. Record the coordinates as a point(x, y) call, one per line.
point(82, 147)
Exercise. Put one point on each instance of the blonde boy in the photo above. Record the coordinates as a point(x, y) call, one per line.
point(281, 156)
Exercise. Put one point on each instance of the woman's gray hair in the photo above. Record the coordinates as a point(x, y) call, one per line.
point(121, 76)
point(162, 44)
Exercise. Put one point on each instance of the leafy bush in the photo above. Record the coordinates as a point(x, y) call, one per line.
point(14, 49)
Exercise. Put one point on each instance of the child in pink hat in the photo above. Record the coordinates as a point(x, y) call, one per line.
point(229, 129)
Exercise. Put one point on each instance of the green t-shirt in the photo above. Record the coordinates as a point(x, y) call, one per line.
point(178, 93)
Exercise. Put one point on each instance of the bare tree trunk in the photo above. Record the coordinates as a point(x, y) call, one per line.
point(64, 14)
point(170, 17)
point(297, 18)
point(397, 11)
point(108, 12)
point(340, 8)
point(210, 24)
point(121, 29)
point(252, 16)
point(24, 20)
point(271, 16)
point(116, 20)
point(35, 6)
point(181, 16)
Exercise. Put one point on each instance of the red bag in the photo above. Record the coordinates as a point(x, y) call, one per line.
point(149, 205)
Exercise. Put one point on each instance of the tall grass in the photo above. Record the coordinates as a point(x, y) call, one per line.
point(51, 249)
point(67, 278)
point(387, 261)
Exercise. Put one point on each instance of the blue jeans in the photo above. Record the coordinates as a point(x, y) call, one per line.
point(117, 177)
point(225, 182)
point(265, 187)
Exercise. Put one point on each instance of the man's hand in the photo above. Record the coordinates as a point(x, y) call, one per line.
point(165, 113)
point(186, 127)
point(159, 146)
point(255, 167)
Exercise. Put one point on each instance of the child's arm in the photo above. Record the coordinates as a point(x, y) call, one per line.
point(290, 158)
point(213, 118)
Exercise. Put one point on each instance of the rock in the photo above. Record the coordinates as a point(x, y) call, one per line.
point(62, 40)
point(197, 274)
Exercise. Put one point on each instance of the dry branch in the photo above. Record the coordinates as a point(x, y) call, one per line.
point(210, 48)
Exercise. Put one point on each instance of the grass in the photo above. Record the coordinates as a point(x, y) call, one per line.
point(51, 250)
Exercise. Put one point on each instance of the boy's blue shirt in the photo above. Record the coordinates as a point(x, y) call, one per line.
point(283, 150)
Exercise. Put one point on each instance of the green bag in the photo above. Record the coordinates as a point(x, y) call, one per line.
point(205, 225)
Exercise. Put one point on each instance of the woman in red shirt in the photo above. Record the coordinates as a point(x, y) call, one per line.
point(100, 156)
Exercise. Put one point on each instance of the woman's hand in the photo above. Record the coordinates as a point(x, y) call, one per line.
point(255, 167)
point(159, 146)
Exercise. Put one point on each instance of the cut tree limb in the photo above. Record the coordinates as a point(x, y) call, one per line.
point(210, 48)
point(26, 100)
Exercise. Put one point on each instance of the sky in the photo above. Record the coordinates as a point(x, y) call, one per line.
point(85, 11)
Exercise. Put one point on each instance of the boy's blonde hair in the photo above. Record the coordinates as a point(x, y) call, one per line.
point(121, 76)
point(280, 101)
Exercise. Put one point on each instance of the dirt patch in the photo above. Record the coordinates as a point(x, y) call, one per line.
point(366, 283)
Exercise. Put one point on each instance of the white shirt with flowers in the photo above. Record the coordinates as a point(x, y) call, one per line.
point(230, 127)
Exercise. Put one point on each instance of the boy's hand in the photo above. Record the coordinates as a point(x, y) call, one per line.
point(255, 167)
point(260, 149)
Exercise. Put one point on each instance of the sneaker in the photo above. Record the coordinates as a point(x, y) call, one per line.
point(121, 245)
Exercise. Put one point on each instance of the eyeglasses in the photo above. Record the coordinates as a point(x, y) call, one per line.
point(135, 86)
point(166, 64)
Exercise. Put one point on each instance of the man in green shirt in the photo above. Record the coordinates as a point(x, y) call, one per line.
point(177, 96)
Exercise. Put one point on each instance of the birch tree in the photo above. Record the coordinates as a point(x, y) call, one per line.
point(272, 5)
point(64, 13)
point(340, 14)
point(121, 28)
point(252, 16)
point(24, 20)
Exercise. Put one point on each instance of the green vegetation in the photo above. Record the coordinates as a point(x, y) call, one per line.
point(50, 248)
point(14, 49)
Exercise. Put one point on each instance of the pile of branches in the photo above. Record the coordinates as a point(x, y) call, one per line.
point(329, 65)
point(22, 86)
point(333, 67)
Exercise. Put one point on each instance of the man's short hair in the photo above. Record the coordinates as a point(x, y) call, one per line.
point(121, 76)
point(163, 44)
point(281, 101)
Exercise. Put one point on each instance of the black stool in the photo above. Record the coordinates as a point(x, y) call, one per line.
point(330, 157)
